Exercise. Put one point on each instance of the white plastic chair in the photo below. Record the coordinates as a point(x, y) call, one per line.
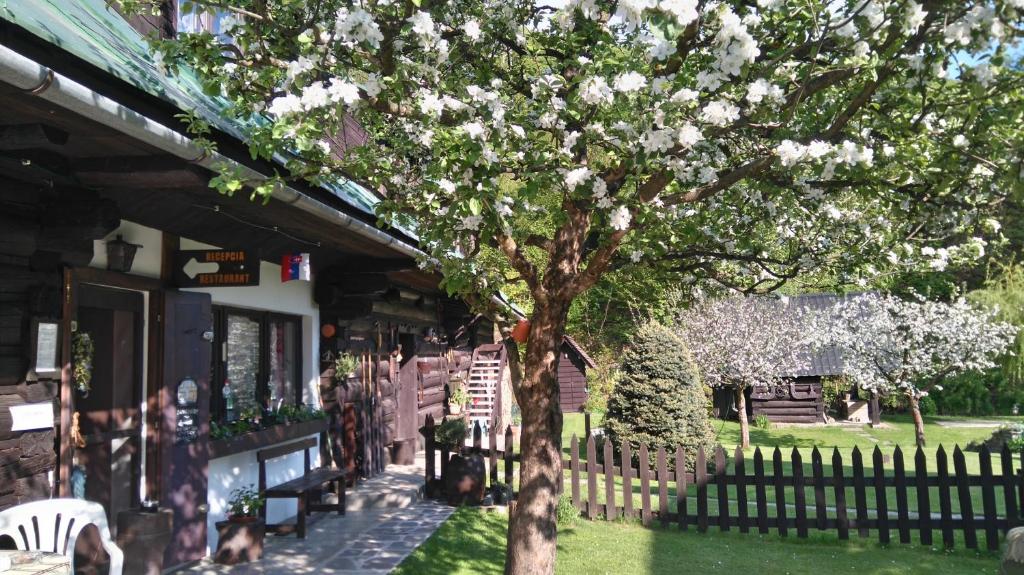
point(53, 525)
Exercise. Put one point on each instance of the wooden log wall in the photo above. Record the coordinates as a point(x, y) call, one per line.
point(796, 402)
point(432, 377)
point(41, 231)
point(572, 382)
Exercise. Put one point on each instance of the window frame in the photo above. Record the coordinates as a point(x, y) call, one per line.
point(218, 368)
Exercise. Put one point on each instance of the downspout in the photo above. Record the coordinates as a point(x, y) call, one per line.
point(44, 83)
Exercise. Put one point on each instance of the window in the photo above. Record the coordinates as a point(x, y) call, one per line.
point(256, 362)
point(194, 18)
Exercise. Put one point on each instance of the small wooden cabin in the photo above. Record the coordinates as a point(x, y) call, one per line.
point(572, 375)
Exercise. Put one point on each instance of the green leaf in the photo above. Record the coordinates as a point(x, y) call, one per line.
point(474, 206)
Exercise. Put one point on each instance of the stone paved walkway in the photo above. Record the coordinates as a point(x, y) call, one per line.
point(367, 542)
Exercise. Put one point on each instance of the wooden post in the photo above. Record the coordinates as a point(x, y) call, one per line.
point(739, 468)
point(945, 500)
point(799, 495)
point(817, 470)
point(988, 499)
point(591, 478)
point(509, 460)
point(722, 488)
point(661, 460)
point(859, 493)
point(627, 479)
point(428, 449)
point(681, 488)
point(478, 438)
point(645, 485)
point(900, 481)
point(701, 479)
point(881, 504)
point(1009, 479)
point(492, 449)
point(842, 520)
point(963, 490)
point(574, 451)
point(586, 423)
point(610, 511)
point(780, 492)
point(759, 490)
point(874, 410)
point(924, 510)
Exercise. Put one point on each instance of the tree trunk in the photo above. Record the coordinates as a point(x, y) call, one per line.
point(741, 407)
point(915, 409)
point(532, 528)
point(875, 410)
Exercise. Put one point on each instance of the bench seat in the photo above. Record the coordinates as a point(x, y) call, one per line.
point(315, 479)
point(302, 488)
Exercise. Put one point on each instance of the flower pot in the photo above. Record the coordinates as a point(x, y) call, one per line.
point(455, 408)
point(240, 540)
point(521, 332)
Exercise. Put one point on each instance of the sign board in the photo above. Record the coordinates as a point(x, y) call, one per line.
point(47, 343)
point(32, 416)
point(187, 417)
point(216, 268)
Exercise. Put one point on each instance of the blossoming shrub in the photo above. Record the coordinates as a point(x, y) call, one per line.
point(659, 400)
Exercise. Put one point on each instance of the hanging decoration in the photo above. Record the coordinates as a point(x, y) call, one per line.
point(295, 267)
point(521, 332)
point(82, 352)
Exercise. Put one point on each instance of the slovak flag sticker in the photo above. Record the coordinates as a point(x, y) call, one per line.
point(295, 267)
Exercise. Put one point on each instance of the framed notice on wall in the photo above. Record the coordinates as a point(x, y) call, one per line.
point(46, 347)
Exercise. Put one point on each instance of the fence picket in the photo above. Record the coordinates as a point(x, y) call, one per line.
point(900, 481)
point(817, 469)
point(645, 485)
point(842, 519)
point(1009, 488)
point(478, 437)
point(988, 499)
point(739, 469)
point(627, 479)
point(780, 492)
point(662, 487)
point(924, 510)
point(681, 510)
point(945, 501)
point(759, 490)
point(428, 448)
point(610, 510)
point(722, 488)
point(963, 490)
point(700, 472)
point(881, 503)
point(574, 467)
point(509, 461)
point(799, 495)
point(591, 478)
point(492, 448)
point(859, 493)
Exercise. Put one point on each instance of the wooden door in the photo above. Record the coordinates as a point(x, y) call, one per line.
point(407, 410)
point(109, 412)
point(184, 426)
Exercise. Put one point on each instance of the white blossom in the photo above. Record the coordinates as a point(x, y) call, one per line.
point(630, 82)
point(620, 218)
point(720, 113)
point(595, 91)
point(472, 30)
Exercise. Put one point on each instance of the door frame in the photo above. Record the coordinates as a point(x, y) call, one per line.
point(74, 277)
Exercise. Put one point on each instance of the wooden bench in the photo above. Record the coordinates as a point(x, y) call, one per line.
point(300, 488)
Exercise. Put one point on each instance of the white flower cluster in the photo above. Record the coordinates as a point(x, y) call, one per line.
point(357, 25)
point(891, 345)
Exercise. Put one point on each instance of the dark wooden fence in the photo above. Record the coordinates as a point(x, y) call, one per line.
point(718, 489)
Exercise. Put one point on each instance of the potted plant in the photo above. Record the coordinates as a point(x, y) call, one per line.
point(501, 493)
point(241, 535)
point(344, 366)
point(451, 434)
point(457, 399)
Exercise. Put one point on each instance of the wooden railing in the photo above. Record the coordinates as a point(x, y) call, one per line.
point(693, 489)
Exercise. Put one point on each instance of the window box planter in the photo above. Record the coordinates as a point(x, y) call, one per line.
point(272, 435)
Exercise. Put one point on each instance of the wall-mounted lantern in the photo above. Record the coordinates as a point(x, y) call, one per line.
point(120, 254)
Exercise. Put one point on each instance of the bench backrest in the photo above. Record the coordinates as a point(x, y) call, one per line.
point(53, 525)
point(264, 455)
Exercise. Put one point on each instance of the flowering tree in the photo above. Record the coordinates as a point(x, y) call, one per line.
point(742, 342)
point(738, 142)
point(890, 345)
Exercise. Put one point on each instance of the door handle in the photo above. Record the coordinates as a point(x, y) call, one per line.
point(203, 508)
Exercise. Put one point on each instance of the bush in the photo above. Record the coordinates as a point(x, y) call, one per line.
point(659, 399)
point(762, 421)
point(601, 381)
point(566, 513)
point(451, 433)
point(832, 391)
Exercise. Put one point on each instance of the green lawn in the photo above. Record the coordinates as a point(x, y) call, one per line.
point(473, 542)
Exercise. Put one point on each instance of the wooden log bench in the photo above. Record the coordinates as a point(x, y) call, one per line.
point(300, 488)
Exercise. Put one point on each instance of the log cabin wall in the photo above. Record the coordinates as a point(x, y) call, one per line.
point(797, 401)
point(41, 231)
point(572, 381)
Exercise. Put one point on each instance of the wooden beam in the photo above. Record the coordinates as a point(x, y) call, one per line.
point(25, 136)
point(139, 171)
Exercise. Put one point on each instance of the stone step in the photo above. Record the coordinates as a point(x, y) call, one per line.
point(398, 487)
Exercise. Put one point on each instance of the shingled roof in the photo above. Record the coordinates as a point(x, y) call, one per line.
point(827, 361)
point(578, 349)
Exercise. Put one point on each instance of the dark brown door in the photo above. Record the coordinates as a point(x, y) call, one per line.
point(185, 416)
point(109, 411)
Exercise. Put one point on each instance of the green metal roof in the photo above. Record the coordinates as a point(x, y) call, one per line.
point(96, 33)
